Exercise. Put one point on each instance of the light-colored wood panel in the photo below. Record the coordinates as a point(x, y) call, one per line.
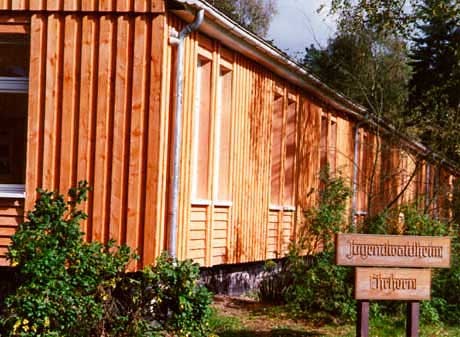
point(156, 147)
point(219, 242)
point(220, 259)
point(11, 211)
point(197, 255)
point(102, 156)
point(69, 124)
point(219, 252)
point(393, 250)
point(87, 107)
point(197, 235)
point(54, 41)
point(19, 4)
point(71, 5)
point(54, 5)
point(4, 4)
point(7, 231)
point(3, 251)
point(221, 216)
point(133, 6)
point(219, 233)
point(123, 79)
point(37, 4)
point(89, 5)
point(139, 106)
point(106, 5)
point(10, 221)
point(220, 225)
point(401, 284)
point(5, 240)
point(197, 225)
point(197, 244)
point(198, 215)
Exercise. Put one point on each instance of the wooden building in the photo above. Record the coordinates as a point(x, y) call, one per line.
point(87, 91)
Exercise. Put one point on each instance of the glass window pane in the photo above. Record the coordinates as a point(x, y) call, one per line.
point(13, 131)
point(14, 56)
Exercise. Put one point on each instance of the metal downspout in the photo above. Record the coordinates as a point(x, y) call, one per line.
point(178, 39)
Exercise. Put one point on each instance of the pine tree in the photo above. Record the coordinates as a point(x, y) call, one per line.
point(434, 108)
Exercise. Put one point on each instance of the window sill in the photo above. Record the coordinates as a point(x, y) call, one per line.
point(282, 208)
point(218, 203)
point(12, 191)
point(275, 208)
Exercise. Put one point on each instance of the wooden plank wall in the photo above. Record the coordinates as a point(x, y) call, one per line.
point(11, 215)
point(139, 6)
point(249, 229)
point(95, 114)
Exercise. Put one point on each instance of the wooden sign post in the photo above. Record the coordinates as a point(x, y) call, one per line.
point(378, 279)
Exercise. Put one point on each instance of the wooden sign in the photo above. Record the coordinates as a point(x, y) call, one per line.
point(402, 284)
point(392, 251)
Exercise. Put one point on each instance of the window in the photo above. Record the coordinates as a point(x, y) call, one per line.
point(212, 129)
point(223, 135)
point(289, 168)
point(14, 67)
point(328, 142)
point(202, 130)
point(283, 149)
point(277, 150)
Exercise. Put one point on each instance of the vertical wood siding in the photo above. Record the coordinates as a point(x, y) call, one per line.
point(11, 215)
point(95, 113)
point(139, 6)
point(250, 228)
point(100, 105)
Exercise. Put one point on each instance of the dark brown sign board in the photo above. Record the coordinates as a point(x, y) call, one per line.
point(392, 251)
point(397, 284)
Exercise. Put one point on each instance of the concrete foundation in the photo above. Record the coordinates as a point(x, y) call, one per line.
point(237, 279)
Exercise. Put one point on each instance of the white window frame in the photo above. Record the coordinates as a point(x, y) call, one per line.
point(13, 85)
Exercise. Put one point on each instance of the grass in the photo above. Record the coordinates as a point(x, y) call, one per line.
point(236, 318)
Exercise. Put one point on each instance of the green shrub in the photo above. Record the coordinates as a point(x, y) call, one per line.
point(179, 304)
point(68, 287)
point(63, 279)
point(311, 283)
point(445, 303)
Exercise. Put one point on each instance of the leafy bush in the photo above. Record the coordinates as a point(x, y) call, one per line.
point(179, 303)
point(328, 218)
point(68, 287)
point(63, 279)
point(313, 284)
point(160, 299)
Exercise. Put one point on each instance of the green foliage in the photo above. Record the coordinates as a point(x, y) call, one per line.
point(320, 289)
point(68, 287)
point(369, 67)
point(328, 218)
point(255, 15)
point(63, 279)
point(160, 300)
point(444, 305)
point(314, 285)
point(179, 303)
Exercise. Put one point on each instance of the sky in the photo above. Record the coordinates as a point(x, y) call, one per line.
point(298, 25)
